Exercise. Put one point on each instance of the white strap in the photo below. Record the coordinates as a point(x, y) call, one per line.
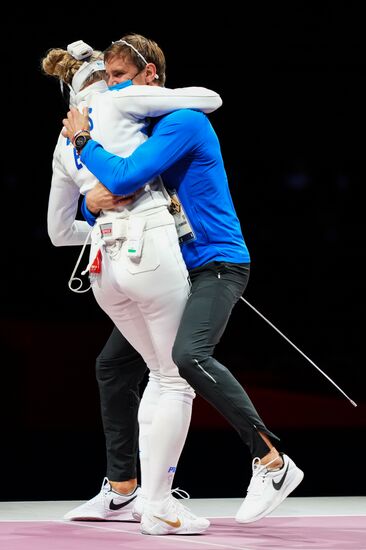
point(73, 278)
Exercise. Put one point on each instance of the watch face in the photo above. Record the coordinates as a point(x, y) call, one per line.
point(80, 141)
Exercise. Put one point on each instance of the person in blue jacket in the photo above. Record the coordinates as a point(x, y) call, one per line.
point(184, 149)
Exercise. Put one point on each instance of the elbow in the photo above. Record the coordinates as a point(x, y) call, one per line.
point(218, 102)
point(55, 239)
point(215, 103)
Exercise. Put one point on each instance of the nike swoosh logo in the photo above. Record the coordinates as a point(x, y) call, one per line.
point(113, 506)
point(175, 524)
point(279, 484)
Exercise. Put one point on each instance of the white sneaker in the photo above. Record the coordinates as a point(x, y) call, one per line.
point(267, 489)
point(106, 505)
point(140, 503)
point(172, 519)
point(138, 507)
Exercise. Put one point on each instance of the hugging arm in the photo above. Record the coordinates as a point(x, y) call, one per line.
point(63, 227)
point(152, 101)
point(173, 137)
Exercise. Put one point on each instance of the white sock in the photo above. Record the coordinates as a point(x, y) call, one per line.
point(149, 402)
point(167, 437)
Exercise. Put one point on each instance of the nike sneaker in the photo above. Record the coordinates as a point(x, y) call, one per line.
point(268, 488)
point(138, 507)
point(171, 518)
point(106, 505)
point(140, 503)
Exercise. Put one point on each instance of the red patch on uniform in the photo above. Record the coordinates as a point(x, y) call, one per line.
point(96, 266)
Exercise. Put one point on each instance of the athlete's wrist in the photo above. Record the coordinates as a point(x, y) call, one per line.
point(80, 139)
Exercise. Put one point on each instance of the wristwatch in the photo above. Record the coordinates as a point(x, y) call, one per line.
point(81, 140)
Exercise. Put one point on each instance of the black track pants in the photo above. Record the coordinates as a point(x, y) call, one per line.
point(216, 287)
point(119, 371)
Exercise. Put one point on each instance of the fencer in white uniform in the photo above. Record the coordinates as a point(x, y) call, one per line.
point(139, 277)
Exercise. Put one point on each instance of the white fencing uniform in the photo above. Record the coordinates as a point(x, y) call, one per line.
point(143, 284)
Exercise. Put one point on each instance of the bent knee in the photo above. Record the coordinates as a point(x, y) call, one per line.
point(182, 357)
point(185, 361)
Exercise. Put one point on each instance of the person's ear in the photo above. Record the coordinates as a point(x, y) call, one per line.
point(150, 74)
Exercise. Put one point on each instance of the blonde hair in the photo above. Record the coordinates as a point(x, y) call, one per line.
point(62, 65)
point(148, 49)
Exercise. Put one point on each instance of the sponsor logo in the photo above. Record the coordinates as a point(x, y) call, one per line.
point(279, 484)
point(106, 229)
point(172, 469)
point(174, 524)
point(113, 506)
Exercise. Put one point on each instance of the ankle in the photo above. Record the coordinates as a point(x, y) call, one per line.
point(124, 487)
point(273, 459)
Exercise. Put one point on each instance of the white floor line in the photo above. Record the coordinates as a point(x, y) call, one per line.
point(176, 538)
point(210, 508)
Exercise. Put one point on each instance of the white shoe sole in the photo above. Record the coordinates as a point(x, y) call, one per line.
point(116, 517)
point(163, 529)
point(167, 532)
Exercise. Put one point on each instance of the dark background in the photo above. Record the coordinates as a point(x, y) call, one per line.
point(292, 80)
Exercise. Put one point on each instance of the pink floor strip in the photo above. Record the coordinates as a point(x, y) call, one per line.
point(295, 533)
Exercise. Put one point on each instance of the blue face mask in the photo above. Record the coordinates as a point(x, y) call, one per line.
point(121, 85)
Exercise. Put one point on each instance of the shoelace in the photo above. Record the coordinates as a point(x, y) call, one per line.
point(106, 486)
point(180, 492)
point(175, 502)
point(179, 506)
point(103, 491)
point(180, 510)
point(259, 477)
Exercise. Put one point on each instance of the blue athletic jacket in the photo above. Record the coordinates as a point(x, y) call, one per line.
point(185, 151)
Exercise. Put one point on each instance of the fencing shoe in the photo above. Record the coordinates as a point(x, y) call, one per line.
point(106, 505)
point(171, 518)
point(140, 502)
point(267, 489)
